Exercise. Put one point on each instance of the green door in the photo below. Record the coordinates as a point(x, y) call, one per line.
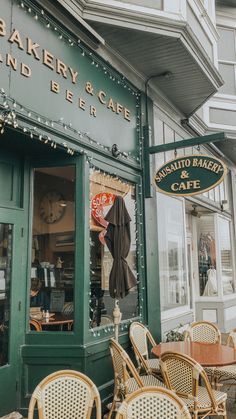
point(12, 267)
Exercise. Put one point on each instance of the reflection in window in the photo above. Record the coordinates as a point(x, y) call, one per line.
point(103, 190)
point(207, 256)
point(53, 249)
point(5, 282)
point(226, 256)
point(172, 258)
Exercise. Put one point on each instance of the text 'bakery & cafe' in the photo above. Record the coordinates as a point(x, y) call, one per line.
point(190, 175)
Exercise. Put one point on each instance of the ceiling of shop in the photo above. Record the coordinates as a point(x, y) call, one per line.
point(151, 54)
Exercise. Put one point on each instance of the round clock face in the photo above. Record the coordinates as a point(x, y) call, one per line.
point(52, 207)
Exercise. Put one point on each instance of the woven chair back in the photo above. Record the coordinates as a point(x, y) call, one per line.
point(231, 340)
point(153, 402)
point(203, 332)
point(35, 325)
point(65, 394)
point(181, 374)
point(138, 336)
point(123, 366)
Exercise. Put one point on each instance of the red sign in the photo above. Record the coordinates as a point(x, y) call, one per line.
point(98, 203)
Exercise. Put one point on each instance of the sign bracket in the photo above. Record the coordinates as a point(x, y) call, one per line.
point(149, 150)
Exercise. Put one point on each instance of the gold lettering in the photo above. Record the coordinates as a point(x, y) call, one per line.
point(2, 27)
point(210, 164)
point(174, 187)
point(15, 37)
point(61, 68)
point(89, 88)
point(48, 59)
point(214, 167)
point(74, 75)
point(55, 87)
point(127, 114)
point(69, 96)
point(111, 105)
point(11, 62)
point(81, 103)
point(101, 97)
point(119, 108)
point(31, 48)
point(195, 162)
point(25, 70)
point(196, 184)
point(93, 111)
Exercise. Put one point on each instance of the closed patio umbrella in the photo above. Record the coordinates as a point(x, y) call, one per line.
point(118, 239)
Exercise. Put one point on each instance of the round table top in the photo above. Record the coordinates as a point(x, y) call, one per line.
point(206, 354)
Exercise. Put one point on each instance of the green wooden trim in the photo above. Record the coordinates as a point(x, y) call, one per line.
point(191, 142)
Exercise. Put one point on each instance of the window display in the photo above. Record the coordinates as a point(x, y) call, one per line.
point(53, 248)
point(172, 255)
point(226, 256)
point(105, 246)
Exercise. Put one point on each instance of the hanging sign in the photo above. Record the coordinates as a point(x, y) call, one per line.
point(190, 175)
point(98, 202)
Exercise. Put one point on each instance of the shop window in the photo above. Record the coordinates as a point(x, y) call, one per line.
point(226, 256)
point(172, 253)
point(5, 289)
point(53, 249)
point(207, 256)
point(103, 191)
point(209, 265)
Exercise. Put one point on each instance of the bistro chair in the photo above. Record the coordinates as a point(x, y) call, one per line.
point(65, 394)
point(153, 402)
point(227, 375)
point(182, 374)
point(205, 332)
point(35, 325)
point(126, 377)
point(141, 340)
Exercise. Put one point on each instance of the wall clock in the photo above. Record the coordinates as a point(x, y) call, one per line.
point(52, 207)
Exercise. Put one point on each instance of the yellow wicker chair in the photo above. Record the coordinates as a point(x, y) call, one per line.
point(126, 377)
point(227, 375)
point(65, 394)
point(181, 374)
point(141, 339)
point(204, 332)
point(153, 402)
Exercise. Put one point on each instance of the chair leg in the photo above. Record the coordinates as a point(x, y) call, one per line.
point(113, 405)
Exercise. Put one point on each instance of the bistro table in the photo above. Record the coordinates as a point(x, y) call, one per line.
point(57, 320)
point(206, 354)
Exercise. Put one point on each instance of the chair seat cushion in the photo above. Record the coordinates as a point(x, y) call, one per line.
point(204, 401)
point(228, 372)
point(153, 364)
point(148, 380)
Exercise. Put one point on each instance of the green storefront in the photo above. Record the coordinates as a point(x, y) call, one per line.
point(62, 108)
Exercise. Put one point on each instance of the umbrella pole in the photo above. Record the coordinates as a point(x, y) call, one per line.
point(117, 319)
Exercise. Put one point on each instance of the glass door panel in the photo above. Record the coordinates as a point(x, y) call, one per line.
point(5, 289)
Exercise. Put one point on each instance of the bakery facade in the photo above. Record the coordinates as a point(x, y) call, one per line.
point(76, 124)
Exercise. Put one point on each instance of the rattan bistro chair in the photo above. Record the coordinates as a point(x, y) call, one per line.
point(181, 374)
point(227, 375)
point(35, 325)
point(65, 394)
point(153, 402)
point(141, 339)
point(126, 377)
point(205, 332)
